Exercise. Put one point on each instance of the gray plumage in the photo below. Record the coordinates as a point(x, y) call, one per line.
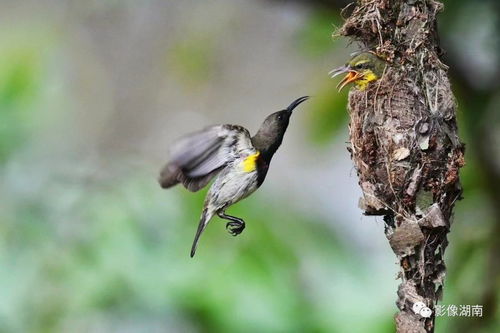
point(221, 151)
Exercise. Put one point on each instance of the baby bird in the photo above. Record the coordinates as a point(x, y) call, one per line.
point(361, 70)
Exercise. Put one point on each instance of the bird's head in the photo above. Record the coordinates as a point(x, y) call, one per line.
point(362, 69)
point(274, 127)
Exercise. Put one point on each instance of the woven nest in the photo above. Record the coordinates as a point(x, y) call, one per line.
point(404, 144)
point(399, 144)
point(402, 127)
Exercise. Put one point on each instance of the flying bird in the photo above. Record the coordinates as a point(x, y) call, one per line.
point(238, 162)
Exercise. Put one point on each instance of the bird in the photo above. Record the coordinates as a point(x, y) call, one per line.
point(238, 162)
point(362, 69)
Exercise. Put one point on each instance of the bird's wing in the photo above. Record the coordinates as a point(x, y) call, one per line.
point(198, 157)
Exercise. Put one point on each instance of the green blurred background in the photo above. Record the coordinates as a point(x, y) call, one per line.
point(93, 92)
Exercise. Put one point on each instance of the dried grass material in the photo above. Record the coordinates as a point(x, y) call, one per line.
point(396, 30)
point(390, 118)
point(404, 143)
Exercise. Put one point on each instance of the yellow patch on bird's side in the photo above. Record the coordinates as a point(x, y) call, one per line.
point(250, 162)
point(368, 76)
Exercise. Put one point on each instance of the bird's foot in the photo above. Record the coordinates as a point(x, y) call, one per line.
point(235, 228)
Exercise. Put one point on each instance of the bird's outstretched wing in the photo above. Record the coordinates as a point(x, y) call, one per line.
point(198, 157)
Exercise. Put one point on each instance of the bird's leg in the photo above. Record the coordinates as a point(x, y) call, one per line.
point(235, 225)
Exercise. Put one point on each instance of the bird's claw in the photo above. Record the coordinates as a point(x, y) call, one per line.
point(235, 228)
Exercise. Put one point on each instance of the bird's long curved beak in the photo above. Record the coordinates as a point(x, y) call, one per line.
point(351, 76)
point(296, 103)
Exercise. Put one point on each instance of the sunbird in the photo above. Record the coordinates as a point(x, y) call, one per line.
point(362, 69)
point(228, 152)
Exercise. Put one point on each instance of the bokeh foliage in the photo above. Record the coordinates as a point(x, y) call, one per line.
point(80, 252)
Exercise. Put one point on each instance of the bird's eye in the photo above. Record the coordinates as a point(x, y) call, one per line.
point(280, 117)
point(359, 66)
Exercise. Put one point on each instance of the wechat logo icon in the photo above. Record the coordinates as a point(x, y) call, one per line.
point(421, 309)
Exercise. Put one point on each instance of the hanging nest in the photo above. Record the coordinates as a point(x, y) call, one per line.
point(404, 143)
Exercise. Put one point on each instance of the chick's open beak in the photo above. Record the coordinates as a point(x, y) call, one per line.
point(351, 76)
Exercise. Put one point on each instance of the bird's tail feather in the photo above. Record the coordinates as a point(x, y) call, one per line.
point(205, 218)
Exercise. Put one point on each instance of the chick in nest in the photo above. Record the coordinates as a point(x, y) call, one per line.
point(361, 70)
